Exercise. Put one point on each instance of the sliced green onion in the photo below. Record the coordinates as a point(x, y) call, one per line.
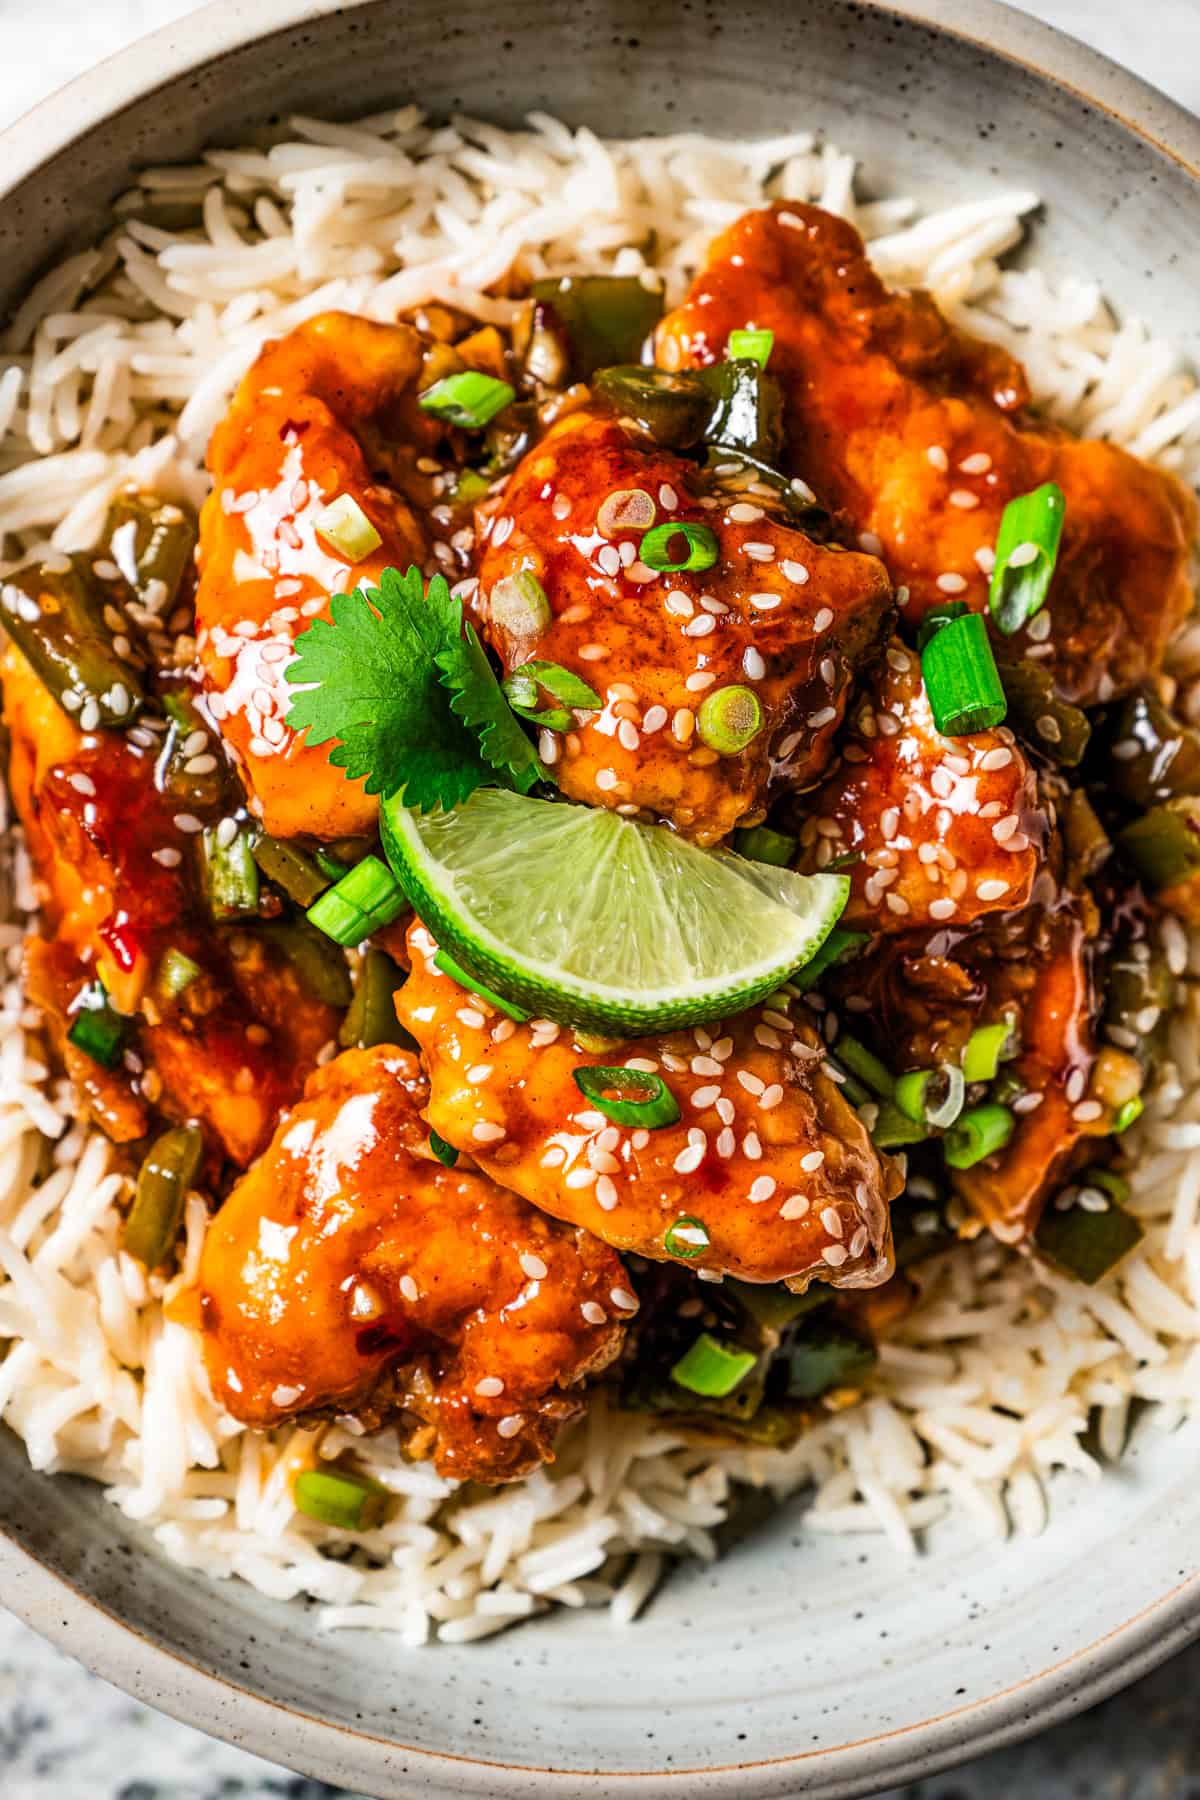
point(938, 617)
point(729, 718)
point(332, 1497)
point(839, 947)
point(760, 844)
point(446, 963)
point(518, 605)
point(469, 486)
point(750, 346)
point(1026, 552)
point(686, 1238)
point(372, 1017)
point(97, 1029)
point(650, 1102)
point(1086, 1244)
point(961, 678)
point(364, 900)
point(894, 1130)
point(230, 875)
point(978, 1133)
point(467, 398)
point(445, 1153)
point(1129, 1114)
point(709, 1368)
point(865, 1064)
point(656, 549)
point(346, 528)
point(300, 877)
point(626, 509)
point(932, 1097)
point(167, 1173)
point(176, 972)
point(985, 1051)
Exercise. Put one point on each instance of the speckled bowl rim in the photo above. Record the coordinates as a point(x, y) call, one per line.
point(73, 1621)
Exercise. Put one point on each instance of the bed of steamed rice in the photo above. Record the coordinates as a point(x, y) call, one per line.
point(116, 368)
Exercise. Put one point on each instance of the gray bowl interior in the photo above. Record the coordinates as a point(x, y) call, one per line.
point(866, 1668)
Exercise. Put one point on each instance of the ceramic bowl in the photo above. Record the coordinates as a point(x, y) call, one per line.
point(797, 1665)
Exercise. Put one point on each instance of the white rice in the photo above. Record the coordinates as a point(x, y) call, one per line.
point(116, 368)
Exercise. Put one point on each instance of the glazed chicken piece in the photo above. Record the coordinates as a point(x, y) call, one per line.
point(117, 880)
point(926, 997)
point(767, 1158)
point(922, 435)
point(350, 1272)
point(778, 614)
point(328, 410)
point(944, 828)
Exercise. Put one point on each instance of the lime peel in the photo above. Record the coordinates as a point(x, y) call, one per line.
point(598, 921)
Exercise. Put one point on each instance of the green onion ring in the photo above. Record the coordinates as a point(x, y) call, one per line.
point(655, 547)
point(687, 1238)
point(654, 1106)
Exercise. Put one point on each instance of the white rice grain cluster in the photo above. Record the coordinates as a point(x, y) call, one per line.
point(116, 368)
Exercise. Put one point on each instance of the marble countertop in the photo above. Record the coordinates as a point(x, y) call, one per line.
point(66, 1735)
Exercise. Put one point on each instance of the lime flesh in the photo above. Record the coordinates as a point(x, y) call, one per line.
point(594, 920)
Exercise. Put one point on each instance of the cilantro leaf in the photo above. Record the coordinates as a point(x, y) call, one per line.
point(478, 699)
point(370, 681)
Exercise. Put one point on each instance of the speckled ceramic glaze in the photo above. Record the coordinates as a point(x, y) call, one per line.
point(800, 1665)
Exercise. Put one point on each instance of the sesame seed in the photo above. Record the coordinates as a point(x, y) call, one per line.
point(726, 1143)
point(467, 1015)
point(606, 780)
point(753, 665)
point(751, 1083)
point(770, 1097)
point(711, 605)
point(759, 552)
point(985, 559)
point(170, 859)
point(489, 1387)
point(668, 499)
point(609, 559)
point(825, 716)
point(745, 514)
point(722, 1049)
point(1049, 728)
point(897, 903)
point(699, 680)
point(488, 1133)
point(706, 1065)
point(794, 572)
point(795, 1206)
point(835, 1255)
point(89, 717)
point(726, 1111)
point(645, 1064)
point(964, 499)
point(187, 823)
point(509, 1427)
point(942, 909)
point(992, 890)
point(581, 1177)
point(592, 653)
point(609, 1138)
point(656, 717)
point(683, 724)
point(951, 583)
point(812, 1160)
point(1086, 1111)
point(689, 1159)
point(409, 1288)
point(706, 1096)
point(995, 759)
point(1023, 555)
point(938, 458)
point(700, 626)
point(478, 1073)
point(533, 1266)
point(871, 543)
point(624, 1299)
point(1003, 829)
point(823, 620)
point(594, 1314)
point(628, 736)
point(561, 507)
point(1076, 1083)
point(762, 1188)
point(606, 1192)
point(680, 604)
point(751, 1146)
point(555, 1156)
point(1040, 627)
point(770, 1040)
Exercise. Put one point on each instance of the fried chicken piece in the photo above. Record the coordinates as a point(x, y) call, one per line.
point(944, 828)
point(922, 435)
point(351, 1272)
point(926, 997)
point(767, 1156)
point(789, 618)
point(118, 885)
point(326, 410)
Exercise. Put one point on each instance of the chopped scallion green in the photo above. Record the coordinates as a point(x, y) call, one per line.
point(985, 1051)
point(364, 900)
point(750, 346)
point(230, 874)
point(660, 547)
point(333, 1497)
point(977, 1134)
point(445, 1153)
point(839, 947)
point(518, 605)
point(1129, 1114)
point(729, 719)
point(1026, 552)
point(300, 877)
point(647, 1101)
point(176, 972)
point(710, 1368)
point(961, 678)
point(932, 1097)
point(865, 1064)
point(468, 399)
point(687, 1238)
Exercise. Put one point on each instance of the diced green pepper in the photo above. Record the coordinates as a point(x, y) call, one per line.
point(605, 319)
point(56, 617)
point(168, 1171)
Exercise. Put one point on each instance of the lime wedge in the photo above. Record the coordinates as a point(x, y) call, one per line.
point(594, 920)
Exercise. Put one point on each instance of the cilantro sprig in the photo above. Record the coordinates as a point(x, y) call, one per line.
point(400, 684)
